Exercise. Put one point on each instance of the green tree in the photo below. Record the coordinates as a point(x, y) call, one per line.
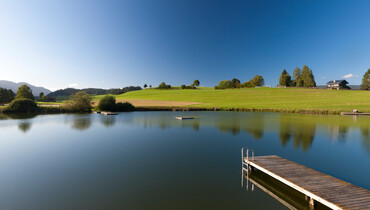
point(107, 103)
point(22, 105)
point(150, 86)
point(196, 83)
point(24, 92)
point(257, 81)
point(365, 85)
point(81, 102)
point(224, 84)
point(311, 80)
point(41, 95)
point(307, 77)
point(183, 86)
point(164, 86)
point(125, 107)
point(6, 95)
point(145, 86)
point(284, 79)
point(235, 83)
point(297, 77)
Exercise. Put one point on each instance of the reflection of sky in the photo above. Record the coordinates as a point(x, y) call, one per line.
point(122, 147)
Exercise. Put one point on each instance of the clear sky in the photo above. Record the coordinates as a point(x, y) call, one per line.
point(108, 44)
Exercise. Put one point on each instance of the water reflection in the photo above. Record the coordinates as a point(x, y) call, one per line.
point(17, 116)
point(108, 120)
point(81, 122)
point(366, 138)
point(236, 122)
point(24, 126)
point(286, 195)
point(295, 129)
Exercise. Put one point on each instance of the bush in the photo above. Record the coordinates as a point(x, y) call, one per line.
point(183, 86)
point(164, 86)
point(124, 107)
point(107, 103)
point(22, 105)
point(224, 84)
point(80, 102)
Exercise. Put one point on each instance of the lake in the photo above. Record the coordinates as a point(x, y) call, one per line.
point(150, 160)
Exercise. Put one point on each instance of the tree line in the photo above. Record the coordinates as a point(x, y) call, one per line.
point(6, 95)
point(257, 80)
point(93, 91)
point(301, 78)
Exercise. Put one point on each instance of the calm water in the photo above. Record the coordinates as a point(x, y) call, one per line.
point(149, 160)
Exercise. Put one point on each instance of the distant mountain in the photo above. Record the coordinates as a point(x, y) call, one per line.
point(14, 87)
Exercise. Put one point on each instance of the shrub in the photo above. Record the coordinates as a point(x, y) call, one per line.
point(224, 84)
point(107, 103)
point(22, 105)
point(182, 86)
point(80, 102)
point(24, 92)
point(164, 86)
point(124, 107)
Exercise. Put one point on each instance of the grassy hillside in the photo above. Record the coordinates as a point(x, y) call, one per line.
point(261, 98)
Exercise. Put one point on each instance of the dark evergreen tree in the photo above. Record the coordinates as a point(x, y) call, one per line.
point(6, 95)
point(196, 83)
point(284, 79)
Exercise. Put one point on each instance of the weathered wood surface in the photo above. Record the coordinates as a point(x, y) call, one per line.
point(109, 113)
point(330, 191)
point(185, 118)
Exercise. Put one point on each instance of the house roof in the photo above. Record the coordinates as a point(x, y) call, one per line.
point(337, 82)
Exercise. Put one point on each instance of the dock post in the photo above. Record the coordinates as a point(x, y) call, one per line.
point(247, 154)
point(312, 203)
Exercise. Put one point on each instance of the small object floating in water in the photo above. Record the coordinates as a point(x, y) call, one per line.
point(185, 118)
point(96, 112)
point(109, 113)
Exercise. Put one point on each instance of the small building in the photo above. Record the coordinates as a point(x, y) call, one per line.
point(337, 84)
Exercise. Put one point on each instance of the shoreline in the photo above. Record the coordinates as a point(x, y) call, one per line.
point(58, 110)
point(297, 111)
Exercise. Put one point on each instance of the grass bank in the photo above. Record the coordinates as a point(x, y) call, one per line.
point(295, 100)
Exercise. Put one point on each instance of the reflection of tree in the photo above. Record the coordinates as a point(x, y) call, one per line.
point(303, 135)
point(365, 131)
point(285, 132)
point(229, 123)
point(18, 116)
point(195, 125)
point(24, 126)
point(108, 121)
point(81, 123)
point(302, 131)
point(252, 123)
point(255, 125)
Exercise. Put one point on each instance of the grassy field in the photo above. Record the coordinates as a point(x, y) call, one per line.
point(278, 99)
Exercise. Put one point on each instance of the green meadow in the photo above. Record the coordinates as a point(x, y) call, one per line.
point(277, 99)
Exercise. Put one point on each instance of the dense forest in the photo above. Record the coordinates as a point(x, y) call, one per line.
point(93, 91)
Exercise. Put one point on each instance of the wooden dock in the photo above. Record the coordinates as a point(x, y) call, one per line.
point(319, 187)
point(109, 113)
point(184, 118)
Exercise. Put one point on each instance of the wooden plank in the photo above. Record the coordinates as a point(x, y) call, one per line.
point(330, 191)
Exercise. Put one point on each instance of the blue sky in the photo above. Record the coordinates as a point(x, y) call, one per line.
point(108, 44)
